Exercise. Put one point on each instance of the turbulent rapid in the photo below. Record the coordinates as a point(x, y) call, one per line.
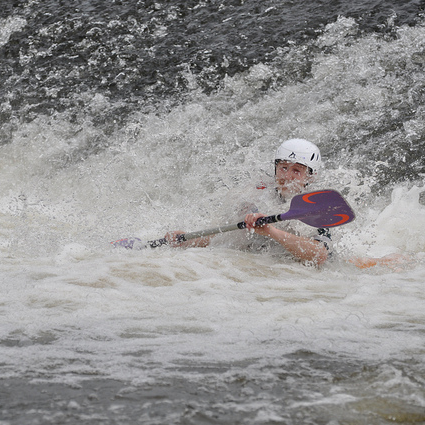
point(137, 118)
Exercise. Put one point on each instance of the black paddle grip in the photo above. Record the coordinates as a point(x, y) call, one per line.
point(157, 243)
point(260, 221)
point(266, 220)
point(163, 241)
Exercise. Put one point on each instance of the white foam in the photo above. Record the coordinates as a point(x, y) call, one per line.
point(8, 26)
point(72, 307)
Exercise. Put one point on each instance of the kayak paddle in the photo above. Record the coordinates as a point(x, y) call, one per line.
point(324, 208)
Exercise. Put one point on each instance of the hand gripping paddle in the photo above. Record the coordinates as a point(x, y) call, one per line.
point(324, 208)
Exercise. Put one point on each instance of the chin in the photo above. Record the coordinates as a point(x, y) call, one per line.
point(289, 191)
point(285, 193)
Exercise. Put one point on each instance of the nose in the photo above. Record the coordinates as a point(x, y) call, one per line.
point(287, 174)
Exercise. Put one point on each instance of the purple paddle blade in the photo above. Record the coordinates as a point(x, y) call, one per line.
point(324, 208)
point(127, 243)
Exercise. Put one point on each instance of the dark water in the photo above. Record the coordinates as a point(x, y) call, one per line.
point(137, 52)
point(225, 394)
point(147, 56)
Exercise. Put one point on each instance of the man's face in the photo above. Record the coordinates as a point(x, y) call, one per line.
point(291, 177)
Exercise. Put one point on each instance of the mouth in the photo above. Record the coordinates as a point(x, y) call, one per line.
point(284, 186)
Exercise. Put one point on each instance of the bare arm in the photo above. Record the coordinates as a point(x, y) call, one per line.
point(199, 242)
point(301, 247)
point(393, 261)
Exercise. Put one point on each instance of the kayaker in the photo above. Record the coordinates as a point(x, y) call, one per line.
point(297, 162)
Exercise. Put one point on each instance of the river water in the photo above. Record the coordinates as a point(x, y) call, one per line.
point(135, 118)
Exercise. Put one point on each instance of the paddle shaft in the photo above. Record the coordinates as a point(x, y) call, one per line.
point(320, 209)
point(213, 231)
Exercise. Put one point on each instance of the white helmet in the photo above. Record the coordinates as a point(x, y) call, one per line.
point(300, 151)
